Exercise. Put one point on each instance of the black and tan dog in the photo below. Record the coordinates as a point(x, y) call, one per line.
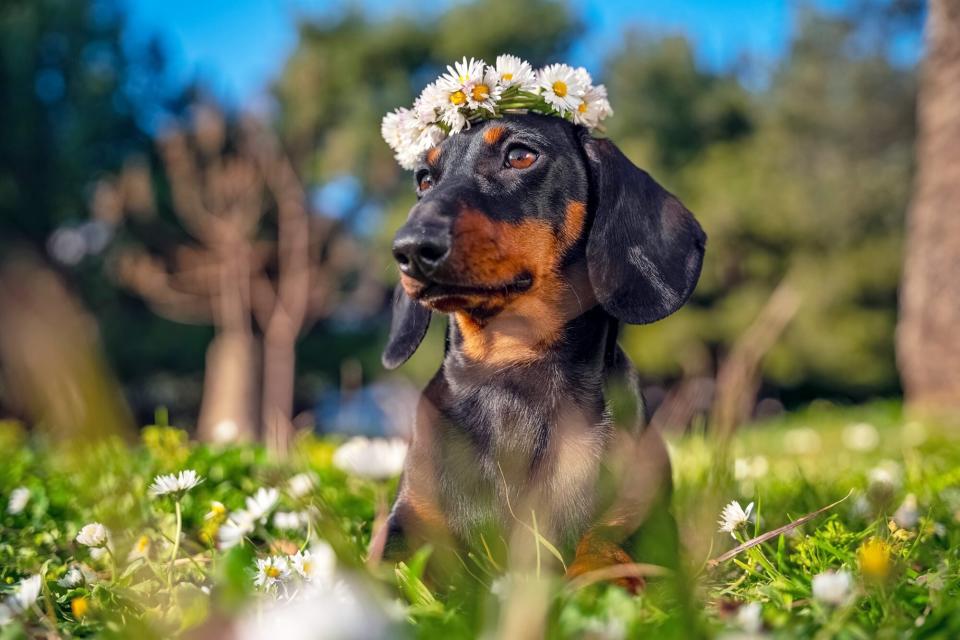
point(538, 241)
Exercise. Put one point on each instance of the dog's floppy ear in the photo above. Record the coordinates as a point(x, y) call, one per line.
point(407, 327)
point(644, 249)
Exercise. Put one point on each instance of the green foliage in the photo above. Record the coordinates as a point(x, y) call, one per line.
point(806, 181)
point(902, 560)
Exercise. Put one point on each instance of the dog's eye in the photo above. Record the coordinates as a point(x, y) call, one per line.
point(520, 158)
point(424, 181)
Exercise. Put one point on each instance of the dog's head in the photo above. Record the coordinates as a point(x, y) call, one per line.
point(506, 206)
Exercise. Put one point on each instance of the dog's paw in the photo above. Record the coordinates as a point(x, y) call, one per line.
point(601, 558)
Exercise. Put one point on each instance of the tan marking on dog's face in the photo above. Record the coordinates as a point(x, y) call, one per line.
point(493, 134)
point(433, 156)
point(573, 223)
point(491, 253)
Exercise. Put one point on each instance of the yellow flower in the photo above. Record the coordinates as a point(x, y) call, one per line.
point(79, 606)
point(874, 557)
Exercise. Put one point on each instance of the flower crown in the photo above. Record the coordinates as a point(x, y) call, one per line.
point(472, 91)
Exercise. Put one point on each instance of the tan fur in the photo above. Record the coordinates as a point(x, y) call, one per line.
point(492, 135)
point(497, 253)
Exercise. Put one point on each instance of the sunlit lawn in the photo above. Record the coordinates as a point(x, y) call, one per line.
point(886, 556)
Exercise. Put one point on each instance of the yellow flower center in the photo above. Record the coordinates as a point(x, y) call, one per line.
point(874, 556)
point(307, 567)
point(79, 607)
point(142, 543)
point(272, 572)
point(480, 92)
point(458, 97)
point(507, 76)
point(583, 107)
point(560, 88)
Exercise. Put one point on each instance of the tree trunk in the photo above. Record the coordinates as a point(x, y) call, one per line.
point(228, 410)
point(279, 364)
point(928, 335)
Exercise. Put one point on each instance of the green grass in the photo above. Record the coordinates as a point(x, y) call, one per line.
point(904, 577)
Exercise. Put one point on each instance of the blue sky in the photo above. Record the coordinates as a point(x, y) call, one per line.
point(239, 45)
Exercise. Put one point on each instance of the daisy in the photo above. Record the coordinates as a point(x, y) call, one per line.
point(181, 483)
point(562, 87)
point(432, 101)
point(734, 517)
point(141, 548)
point(593, 108)
point(316, 565)
point(514, 72)
point(395, 127)
point(460, 79)
point(300, 485)
point(377, 459)
point(18, 500)
point(217, 511)
point(288, 520)
point(27, 593)
point(271, 571)
point(260, 504)
point(93, 535)
point(907, 514)
point(485, 92)
point(235, 529)
point(832, 587)
point(72, 578)
point(467, 85)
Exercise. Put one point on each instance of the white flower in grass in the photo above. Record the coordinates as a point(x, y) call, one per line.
point(217, 511)
point(734, 517)
point(93, 535)
point(832, 587)
point(260, 504)
point(318, 564)
point(288, 520)
point(301, 484)
point(72, 578)
point(377, 458)
point(26, 593)
point(861, 436)
point(180, 483)
point(18, 500)
point(562, 87)
point(348, 610)
point(907, 515)
point(801, 441)
point(235, 529)
point(514, 72)
point(271, 571)
point(749, 617)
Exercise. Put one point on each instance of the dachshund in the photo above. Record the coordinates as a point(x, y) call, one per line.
point(537, 241)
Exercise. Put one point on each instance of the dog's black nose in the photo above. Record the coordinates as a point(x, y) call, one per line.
point(420, 252)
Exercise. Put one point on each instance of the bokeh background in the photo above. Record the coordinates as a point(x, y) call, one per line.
point(196, 204)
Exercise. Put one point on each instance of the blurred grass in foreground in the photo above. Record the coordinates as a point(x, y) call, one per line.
point(883, 563)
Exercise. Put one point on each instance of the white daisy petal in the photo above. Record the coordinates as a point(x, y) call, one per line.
point(734, 517)
point(377, 458)
point(18, 500)
point(93, 535)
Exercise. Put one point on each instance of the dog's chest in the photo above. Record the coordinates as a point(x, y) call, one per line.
point(510, 450)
